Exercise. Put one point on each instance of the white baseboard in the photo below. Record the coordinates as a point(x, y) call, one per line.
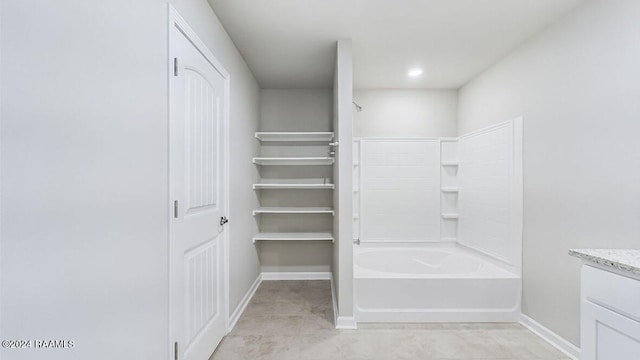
point(235, 316)
point(346, 323)
point(296, 275)
point(552, 338)
point(341, 322)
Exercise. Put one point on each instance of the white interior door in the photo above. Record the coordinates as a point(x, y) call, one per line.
point(197, 151)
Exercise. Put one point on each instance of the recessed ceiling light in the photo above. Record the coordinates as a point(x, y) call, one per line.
point(415, 72)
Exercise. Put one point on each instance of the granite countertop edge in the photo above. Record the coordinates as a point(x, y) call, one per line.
point(626, 260)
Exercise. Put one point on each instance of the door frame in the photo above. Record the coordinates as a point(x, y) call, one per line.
point(175, 20)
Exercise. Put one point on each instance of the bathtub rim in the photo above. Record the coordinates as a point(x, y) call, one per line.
point(493, 268)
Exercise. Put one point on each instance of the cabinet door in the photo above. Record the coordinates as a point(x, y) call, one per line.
point(608, 335)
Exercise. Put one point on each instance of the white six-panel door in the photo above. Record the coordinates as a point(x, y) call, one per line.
point(197, 165)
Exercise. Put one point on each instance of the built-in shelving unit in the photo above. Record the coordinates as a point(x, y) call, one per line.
point(293, 210)
point(356, 189)
point(450, 190)
point(292, 161)
point(294, 136)
point(292, 215)
point(291, 236)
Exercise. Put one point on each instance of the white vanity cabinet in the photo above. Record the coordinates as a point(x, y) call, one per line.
point(610, 315)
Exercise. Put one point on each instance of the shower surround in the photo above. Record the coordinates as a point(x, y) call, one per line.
point(439, 222)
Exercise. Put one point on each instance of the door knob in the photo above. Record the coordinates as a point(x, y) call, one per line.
point(223, 220)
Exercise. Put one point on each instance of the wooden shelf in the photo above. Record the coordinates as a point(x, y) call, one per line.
point(293, 237)
point(294, 136)
point(450, 189)
point(293, 210)
point(293, 160)
point(310, 184)
point(450, 216)
point(449, 163)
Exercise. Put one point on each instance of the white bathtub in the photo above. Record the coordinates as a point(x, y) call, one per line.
point(419, 284)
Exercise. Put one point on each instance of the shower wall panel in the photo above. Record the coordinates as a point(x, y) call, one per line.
point(400, 190)
point(490, 194)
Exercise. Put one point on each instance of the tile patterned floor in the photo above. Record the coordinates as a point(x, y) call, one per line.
point(293, 320)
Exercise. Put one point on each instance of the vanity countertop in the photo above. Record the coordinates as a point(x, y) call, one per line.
point(622, 260)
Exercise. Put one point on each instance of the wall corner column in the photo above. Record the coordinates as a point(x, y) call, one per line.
point(343, 196)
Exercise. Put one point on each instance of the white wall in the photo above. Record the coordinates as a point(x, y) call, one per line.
point(406, 113)
point(577, 87)
point(335, 261)
point(84, 173)
point(343, 173)
point(295, 110)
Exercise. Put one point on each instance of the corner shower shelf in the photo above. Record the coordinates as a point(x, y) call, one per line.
point(294, 184)
point(450, 216)
point(450, 189)
point(293, 210)
point(295, 136)
point(293, 160)
point(293, 237)
point(449, 163)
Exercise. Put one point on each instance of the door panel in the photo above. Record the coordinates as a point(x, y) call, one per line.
point(201, 287)
point(202, 115)
point(198, 91)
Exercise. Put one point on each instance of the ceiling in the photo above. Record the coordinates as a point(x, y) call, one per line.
point(291, 43)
